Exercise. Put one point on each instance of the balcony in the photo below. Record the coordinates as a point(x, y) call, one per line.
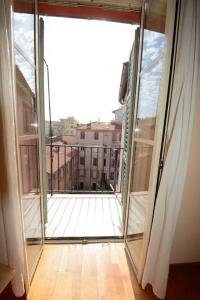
point(84, 191)
point(84, 215)
point(79, 204)
point(83, 169)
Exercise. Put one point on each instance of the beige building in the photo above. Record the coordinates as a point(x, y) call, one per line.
point(119, 114)
point(98, 146)
point(63, 127)
point(99, 155)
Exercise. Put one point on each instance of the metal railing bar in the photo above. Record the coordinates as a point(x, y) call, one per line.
point(78, 191)
point(109, 163)
point(79, 146)
point(58, 168)
point(65, 183)
point(91, 163)
point(115, 167)
point(71, 168)
point(77, 169)
point(98, 175)
point(97, 168)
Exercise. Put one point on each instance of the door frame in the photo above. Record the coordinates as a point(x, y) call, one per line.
point(29, 273)
point(45, 214)
point(170, 26)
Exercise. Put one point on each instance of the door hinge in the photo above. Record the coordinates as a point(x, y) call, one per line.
point(161, 164)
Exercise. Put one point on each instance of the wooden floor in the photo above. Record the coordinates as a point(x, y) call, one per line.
point(84, 216)
point(102, 272)
point(82, 272)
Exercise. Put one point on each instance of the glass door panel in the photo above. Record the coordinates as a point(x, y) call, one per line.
point(152, 58)
point(27, 128)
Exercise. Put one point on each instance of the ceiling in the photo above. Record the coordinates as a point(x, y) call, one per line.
point(127, 11)
point(131, 5)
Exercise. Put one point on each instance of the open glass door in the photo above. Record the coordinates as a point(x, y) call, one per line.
point(144, 139)
point(27, 128)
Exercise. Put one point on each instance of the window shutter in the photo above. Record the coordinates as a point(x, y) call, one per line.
point(129, 115)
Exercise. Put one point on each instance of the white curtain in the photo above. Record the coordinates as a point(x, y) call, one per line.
point(12, 250)
point(180, 130)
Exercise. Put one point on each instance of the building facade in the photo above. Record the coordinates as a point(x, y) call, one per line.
point(61, 167)
point(63, 127)
point(99, 155)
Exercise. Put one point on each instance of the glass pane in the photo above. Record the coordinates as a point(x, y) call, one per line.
point(142, 167)
point(26, 69)
point(154, 45)
point(28, 127)
point(153, 48)
point(24, 28)
point(150, 78)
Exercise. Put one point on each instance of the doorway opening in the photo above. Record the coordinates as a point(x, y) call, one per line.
point(84, 63)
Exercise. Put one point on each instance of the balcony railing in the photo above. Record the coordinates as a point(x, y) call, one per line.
point(83, 169)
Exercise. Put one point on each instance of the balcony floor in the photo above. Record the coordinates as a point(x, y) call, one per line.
point(83, 215)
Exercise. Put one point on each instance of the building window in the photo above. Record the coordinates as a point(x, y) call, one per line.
point(95, 150)
point(82, 135)
point(104, 177)
point(112, 163)
point(96, 135)
point(82, 148)
point(82, 173)
point(112, 175)
point(114, 138)
point(81, 185)
point(82, 160)
point(94, 174)
point(120, 137)
point(105, 150)
point(95, 161)
point(94, 186)
point(104, 162)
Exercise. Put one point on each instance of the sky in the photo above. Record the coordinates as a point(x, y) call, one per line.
point(151, 70)
point(85, 60)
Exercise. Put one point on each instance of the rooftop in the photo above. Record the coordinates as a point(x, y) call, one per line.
point(99, 126)
point(64, 154)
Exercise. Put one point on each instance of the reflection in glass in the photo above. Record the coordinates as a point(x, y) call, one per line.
point(150, 78)
point(24, 31)
point(26, 68)
point(153, 48)
point(142, 167)
point(28, 129)
point(154, 44)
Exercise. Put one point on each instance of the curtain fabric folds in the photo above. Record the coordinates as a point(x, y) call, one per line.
point(12, 252)
point(183, 101)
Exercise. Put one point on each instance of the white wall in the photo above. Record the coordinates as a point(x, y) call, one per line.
point(186, 247)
